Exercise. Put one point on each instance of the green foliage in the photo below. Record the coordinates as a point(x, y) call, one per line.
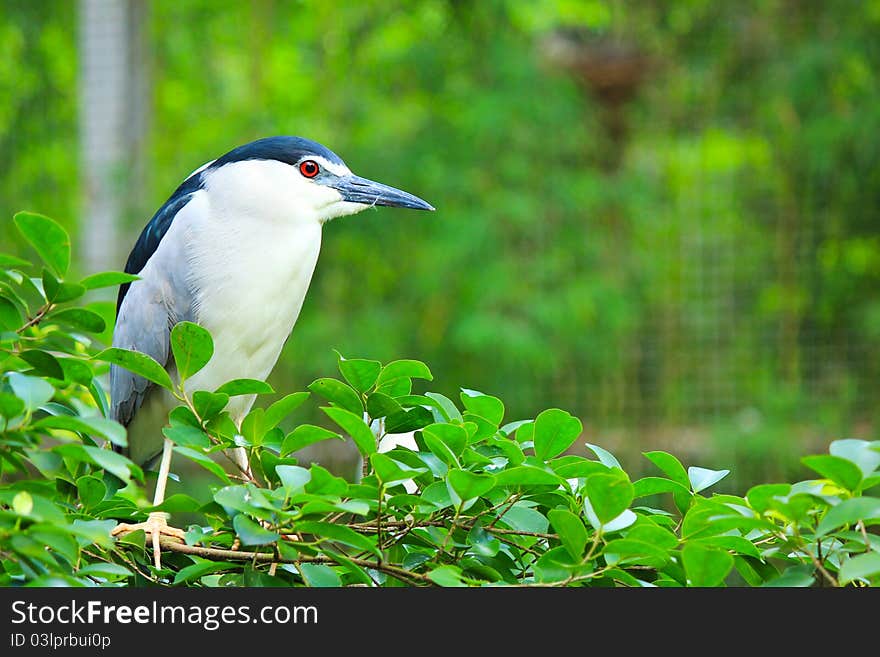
point(476, 503)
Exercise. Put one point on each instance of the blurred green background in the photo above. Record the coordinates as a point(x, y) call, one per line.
point(663, 217)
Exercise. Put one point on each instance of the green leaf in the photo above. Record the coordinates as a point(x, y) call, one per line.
point(109, 571)
point(43, 362)
point(192, 347)
point(107, 279)
point(841, 471)
point(761, 496)
point(864, 566)
point(114, 463)
point(282, 408)
point(866, 509)
point(633, 550)
point(204, 461)
point(196, 571)
point(411, 369)
point(304, 435)
point(391, 472)
point(447, 576)
point(468, 485)
point(48, 238)
point(451, 435)
point(670, 466)
point(209, 404)
point(860, 452)
point(338, 394)
point(252, 533)
point(137, 363)
point(605, 457)
point(486, 406)
point(12, 262)
point(482, 542)
point(526, 476)
point(10, 406)
point(702, 478)
point(187, 436)
point(10, 317)
point(319, 575)
point(361, 374)
point(34, 392)
point(355, 427)
point(609, 494)
point(705, 566)
point(339, 533)
point(555, 431)
point(88, 425)
point(655, 485)
point(58, 291)
point(522, 517)
point(238, 387)
point(571, 531)
point(445, 405)
point(293, 478)
point(793, 576)
point(381, 405)
point(178, 503)
point(411, 420)
point(80, 318)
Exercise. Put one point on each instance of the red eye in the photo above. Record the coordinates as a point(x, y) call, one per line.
point(309, 168)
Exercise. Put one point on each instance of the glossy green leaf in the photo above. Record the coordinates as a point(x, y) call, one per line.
point(338, 393)
point(280, 409)
point(571, 531)
point(705, 566)
point(293, 478)
point(702, 478)
point(252, 533)
point(866, 509)
point(609, 494)
point(486, 406)
point(33, 391)
point(605, 457)
point(10, 317)
point(361, 374)
point(864, 567)
point(670, 466)
point(304, 435)
point(841, 471)
point(106, 279)
point(339, 533)
point(355, 427)
point(468, 485)
point(137, 363)
point(554, 432)
point(412, 369)
point(238, 387)
point(88, 425)
point(49, 239)
point(192, 347)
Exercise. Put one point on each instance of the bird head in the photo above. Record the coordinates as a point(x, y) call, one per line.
point(292, 178)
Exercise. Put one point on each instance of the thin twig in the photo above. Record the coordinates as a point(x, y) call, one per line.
point(36, 319)
point(173, 545)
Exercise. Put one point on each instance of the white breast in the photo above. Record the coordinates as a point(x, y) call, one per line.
point(252, 268)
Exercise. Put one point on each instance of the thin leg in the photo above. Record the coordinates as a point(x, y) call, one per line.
point(157, 522)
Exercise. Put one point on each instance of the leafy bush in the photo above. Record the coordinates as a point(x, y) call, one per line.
point(480, 501)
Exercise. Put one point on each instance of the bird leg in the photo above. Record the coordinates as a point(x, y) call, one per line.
point(156, 524)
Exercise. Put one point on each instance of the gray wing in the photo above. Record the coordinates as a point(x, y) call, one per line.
point(147, 311)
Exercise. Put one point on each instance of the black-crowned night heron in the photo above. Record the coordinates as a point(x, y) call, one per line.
point(233, 250)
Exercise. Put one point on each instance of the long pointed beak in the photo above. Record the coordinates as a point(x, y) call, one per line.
point(361, 190)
